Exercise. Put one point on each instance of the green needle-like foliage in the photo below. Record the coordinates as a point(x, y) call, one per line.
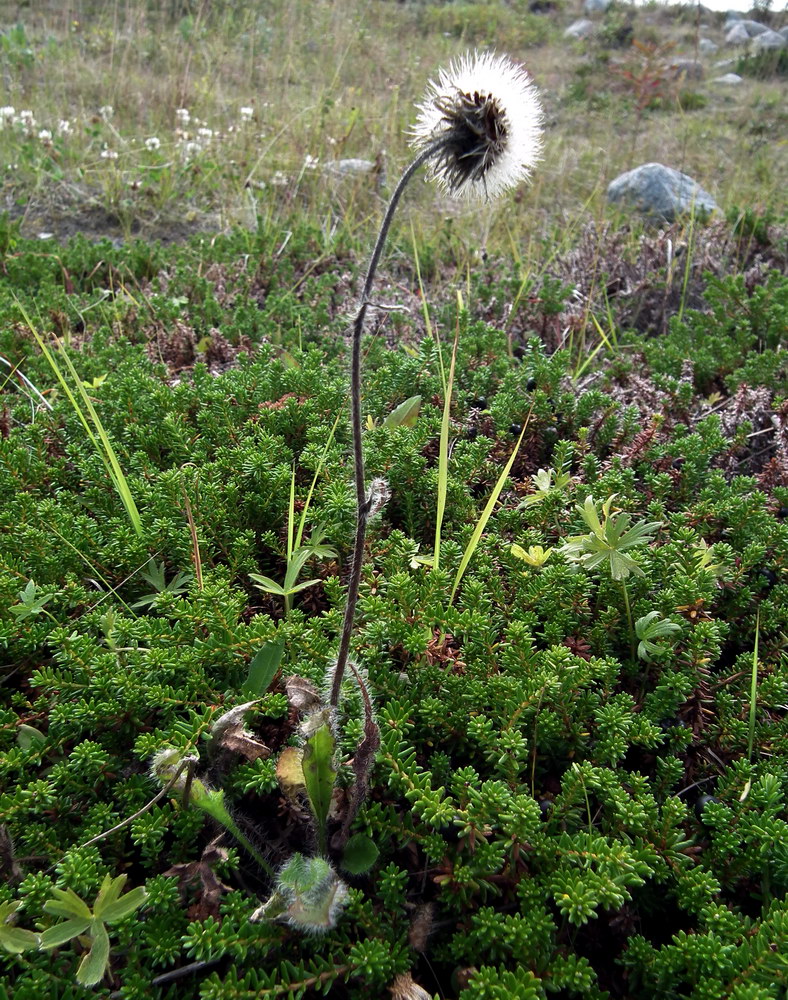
point(532, 809)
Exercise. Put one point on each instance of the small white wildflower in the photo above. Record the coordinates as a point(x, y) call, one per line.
point(311, 162)
point(6, 116)
point(487, 110)
point(45, 135)
point(183, 116)
point(279, 179)
point(153, 143)
point(64, 127)
point(109, 154)
point(205, 133)
point(190, 149)
point(106, 111)
point(26, 116)
point(246, 114)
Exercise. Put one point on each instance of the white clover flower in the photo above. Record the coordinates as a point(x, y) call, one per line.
point(205, 133)
point(26, 116)
point(64, 127)
point(487, 110)
point(6, 115)
point(246, 114)
point(106, 111)
point(153, 143)
point(109, 154)
point(183, 116)
point(311, 162)
point(45, 135)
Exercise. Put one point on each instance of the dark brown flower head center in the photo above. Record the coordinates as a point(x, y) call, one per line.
point(475, 131)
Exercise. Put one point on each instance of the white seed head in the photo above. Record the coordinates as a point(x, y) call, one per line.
point(166, 767)
point(487, 109)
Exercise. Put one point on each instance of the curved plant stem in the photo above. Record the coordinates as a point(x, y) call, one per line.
point(630, 621)
point(362, 501)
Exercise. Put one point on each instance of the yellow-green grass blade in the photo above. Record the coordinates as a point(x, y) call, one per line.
point(99, 438)
point(318, 470)
point(481, 524)
point(443, 451)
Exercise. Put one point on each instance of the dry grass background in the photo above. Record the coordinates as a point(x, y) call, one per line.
point(328, 81)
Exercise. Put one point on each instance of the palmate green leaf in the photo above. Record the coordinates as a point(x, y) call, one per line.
point(110, 889)
point(622, 565)
point(66, 903)
point(404, 415)
point(544, 485)
point(93, 966)
point(113, 909)
point(14, 940)
point(53, 937)
point(609, 539)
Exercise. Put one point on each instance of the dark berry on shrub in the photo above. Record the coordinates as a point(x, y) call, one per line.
point(515, 429)
point(530, 385)
point(701, 804)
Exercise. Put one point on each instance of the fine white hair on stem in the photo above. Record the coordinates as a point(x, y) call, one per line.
point(487, 110)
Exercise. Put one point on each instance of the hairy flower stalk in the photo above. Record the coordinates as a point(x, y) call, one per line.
point(479, 129)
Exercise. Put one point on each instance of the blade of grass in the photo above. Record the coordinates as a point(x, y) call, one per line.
point(603, 342)
point(196, 558)
point(443, 451)
point(481, 524)
point(318, 470)
point(97, 575)
point(687, 266)
point(753, 704)
point(100, 438)
point(425, 309)
point(753, 687)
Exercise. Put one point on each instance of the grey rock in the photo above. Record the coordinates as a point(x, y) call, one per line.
point(596, 6)
point(579, 29)
point(769, 40)
point(707, 46)
point(784, 32)
point(731, 16)
point(659, 192)
point(738, 35)
point(729, 79)
point(686, 69)
point(754, 27)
